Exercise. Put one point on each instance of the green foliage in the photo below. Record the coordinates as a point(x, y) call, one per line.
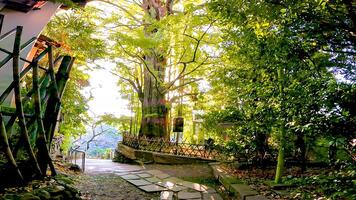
point(279, 72)
point(335, 185)
point(122, 123)
point(83, 44)
point(77, 32)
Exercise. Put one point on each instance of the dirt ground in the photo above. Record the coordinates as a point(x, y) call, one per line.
point(110, 187)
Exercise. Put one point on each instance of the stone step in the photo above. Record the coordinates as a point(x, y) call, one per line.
point(242, 191)
point(189, 195)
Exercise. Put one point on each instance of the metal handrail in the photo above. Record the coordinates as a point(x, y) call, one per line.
point(74, 152)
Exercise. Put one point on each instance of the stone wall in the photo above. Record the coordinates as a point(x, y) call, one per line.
point(155, 157)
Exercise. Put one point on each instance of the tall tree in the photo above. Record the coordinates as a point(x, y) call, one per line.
point(158, 51)
point(285, 50)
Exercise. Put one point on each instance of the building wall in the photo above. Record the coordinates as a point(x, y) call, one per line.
point(33, 23)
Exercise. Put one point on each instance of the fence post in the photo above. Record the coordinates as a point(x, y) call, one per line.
point(83, 161)
point(75, 157)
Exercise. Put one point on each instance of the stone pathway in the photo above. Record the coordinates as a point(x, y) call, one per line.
point(100, 166)
point(135, 182)
point(170, 187)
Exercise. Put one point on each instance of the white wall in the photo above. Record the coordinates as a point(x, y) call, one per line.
point(33, 23)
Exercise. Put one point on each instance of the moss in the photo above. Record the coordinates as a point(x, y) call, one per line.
point(64, 178)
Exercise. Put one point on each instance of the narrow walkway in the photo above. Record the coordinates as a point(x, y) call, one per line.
point(98, 166)
point(100, 182)
point(106, 180)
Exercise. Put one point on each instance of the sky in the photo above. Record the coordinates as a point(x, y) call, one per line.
point(105, 92)
point(103, 85)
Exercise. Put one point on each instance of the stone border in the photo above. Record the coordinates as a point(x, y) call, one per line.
point(161, 158)
point(234, 186)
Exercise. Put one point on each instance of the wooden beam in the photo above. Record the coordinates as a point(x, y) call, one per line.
point(18, 102)
point(43, 152)
point(4, 143)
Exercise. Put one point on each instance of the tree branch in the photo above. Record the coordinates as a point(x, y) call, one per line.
point(169, 6)
point(121, 8)
point(197, 45)
point(186, 83)
point(174, 98)
point(140, 58)
point(180, 75)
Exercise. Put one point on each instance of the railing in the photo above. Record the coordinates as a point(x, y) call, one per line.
point(73, 157)
point(31, 123)
point(209, 152)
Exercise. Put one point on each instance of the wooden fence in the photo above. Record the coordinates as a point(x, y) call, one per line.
point(209, 152)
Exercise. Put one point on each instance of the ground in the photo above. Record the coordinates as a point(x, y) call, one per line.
point(102, 180)
point(181, 171)
point(110, 187)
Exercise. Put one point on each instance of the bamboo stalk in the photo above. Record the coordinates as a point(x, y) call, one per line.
point(41, 140)
point(18, 101)
point(53, 111)
point(51, 71)
point(4, 142)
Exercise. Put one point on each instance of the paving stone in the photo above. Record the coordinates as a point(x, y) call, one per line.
point(257, 197)
point(152, 188)
point(171, 186)
point(122, 173)
point(189, 195)
point(243, 190)
point(177, 188)
point(144, 175)
point(139, 182)
point(208, 196)
point(153, 180)
point(194, 186)
point(166, 184)
point(166, 195)
point(130, 177)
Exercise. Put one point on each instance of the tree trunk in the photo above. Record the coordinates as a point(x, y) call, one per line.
point(261, 140)
point(300, 147)
point(332, 153)
point(154, 105)
point(282, 129)
point(154, 111)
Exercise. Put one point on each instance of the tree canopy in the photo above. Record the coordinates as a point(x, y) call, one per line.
point(272, 79)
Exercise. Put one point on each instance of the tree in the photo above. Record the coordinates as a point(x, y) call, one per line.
point(282, 53)
point(100, 125)
point(78, 42)
point(158, 51)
